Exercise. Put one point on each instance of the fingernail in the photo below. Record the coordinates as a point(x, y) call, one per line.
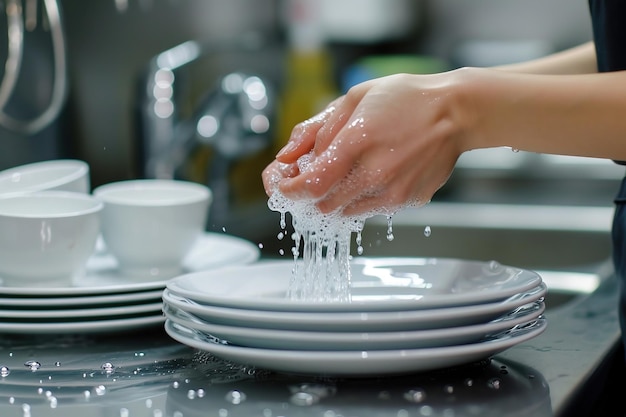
point(286, 149)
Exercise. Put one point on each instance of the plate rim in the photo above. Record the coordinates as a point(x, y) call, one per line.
point(284, 304)
point(83, 327)
point(339, 321)
point(408, 338)
point(80, 313)
point(357, 362)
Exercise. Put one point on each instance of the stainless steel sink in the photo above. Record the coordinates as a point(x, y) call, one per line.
point(568, 246)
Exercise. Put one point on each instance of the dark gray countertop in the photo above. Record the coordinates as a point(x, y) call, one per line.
point(145, 373)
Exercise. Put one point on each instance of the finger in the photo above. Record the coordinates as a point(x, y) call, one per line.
point(275, 172)
point(340, 110)
point(303, 137)
point(320, 176)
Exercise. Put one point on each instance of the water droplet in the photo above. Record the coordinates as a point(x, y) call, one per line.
point(304, 398)
point(140, 354)
point(11, 400)
point(100, 390)
point(469, 382)
point(280, 235)
point(124, 412)
point(224, 229)
point(33, 365)
point(177, 414)
point(175, 384)
point(87, 394)
point(426, 410)
point(52, 401)
point(427, 231)
point(235, 397)
point(57, 364)
point(260, 245)
point(108, 368)
point(26, 410)
point(191, 394)
point(415, 395)
point(4, 371)
point(494, 383)
point(515, 150)
point(281, 251)
point(222, 412)
point(448, 389)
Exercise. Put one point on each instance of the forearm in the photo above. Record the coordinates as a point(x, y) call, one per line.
point(583, 115)
point(577, 60)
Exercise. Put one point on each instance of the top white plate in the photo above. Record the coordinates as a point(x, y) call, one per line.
point(213, 250)
point(378, 284)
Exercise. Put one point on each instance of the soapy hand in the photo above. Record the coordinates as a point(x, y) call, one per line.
point(386, 144)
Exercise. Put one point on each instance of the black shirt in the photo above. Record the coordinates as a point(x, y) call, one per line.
point(609, 32)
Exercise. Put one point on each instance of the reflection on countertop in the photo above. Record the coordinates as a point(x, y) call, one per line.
point(123, 376)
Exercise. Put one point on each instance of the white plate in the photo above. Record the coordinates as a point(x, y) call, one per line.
point(356, 321)
point(378, 284)
point(81, 302)
point(80, 313)
point(213, 250)
point(313, 340)
point(83, 327)
point(356, 362)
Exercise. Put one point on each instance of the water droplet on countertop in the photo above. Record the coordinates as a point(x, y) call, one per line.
point(304, 398)
point(415, 395)
point(494, 383)
point(108, 367)
point(33, 365)
point(235, 397)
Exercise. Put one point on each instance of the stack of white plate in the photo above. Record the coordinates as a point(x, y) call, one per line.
point(405, 315)
point(103, 300)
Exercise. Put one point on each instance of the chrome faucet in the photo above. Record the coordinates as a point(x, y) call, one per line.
point(234, 119)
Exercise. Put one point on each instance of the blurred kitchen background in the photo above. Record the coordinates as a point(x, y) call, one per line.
point(208, 90)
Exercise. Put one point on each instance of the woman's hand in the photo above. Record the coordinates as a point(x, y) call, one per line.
point(388, 143)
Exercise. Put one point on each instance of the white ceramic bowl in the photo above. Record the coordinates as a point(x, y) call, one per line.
point(149, 225)
point(58, 174)
point(46, 237)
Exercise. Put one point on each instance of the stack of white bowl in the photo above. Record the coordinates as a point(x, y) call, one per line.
point(405, 315)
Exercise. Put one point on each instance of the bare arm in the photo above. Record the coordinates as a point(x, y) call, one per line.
point(395, 140)
point(580, 59)
point(579, 115)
